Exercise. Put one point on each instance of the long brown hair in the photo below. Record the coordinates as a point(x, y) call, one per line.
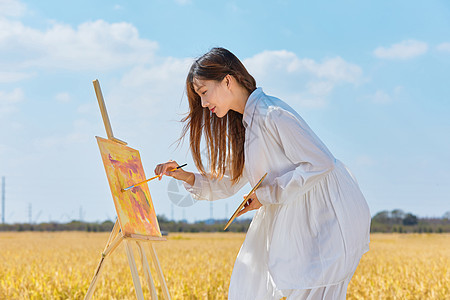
point(224, 136)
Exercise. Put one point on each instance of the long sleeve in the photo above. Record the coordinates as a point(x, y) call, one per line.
point(214, 189)
point(302, 147)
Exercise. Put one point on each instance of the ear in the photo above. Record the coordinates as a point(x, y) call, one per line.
point(228, 80)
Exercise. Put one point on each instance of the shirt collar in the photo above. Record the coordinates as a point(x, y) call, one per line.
point(250, 106)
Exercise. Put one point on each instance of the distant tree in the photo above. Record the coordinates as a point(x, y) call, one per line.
point(382, 217)
point(397, 216)
point(162, 219)
point(106, 226)
point(446, 215)
point(410, 219)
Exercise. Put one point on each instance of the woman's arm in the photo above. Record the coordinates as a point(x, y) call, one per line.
point(303, 148)
point(203, 188)
point(188, 177)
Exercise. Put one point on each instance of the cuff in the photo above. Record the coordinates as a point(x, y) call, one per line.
point(195, 189)
point(263, 195)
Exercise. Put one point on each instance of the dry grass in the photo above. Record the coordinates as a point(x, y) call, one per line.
point(198, 266)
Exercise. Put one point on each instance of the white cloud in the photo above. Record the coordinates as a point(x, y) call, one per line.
point(159, 74)
point(80, 134)
point(140, 102)
point(148, 92)
point(183, 2)
point(92, 45)
point(12, 8)
point(62, 97)
point(320, 88)
point(382, 97)
point(9, 77)
point(404, 50)
point(337, 69)
point(445, 47)
point(304, 99)
point(334, 69)
point(267, 61)
point(303, 81)
point(8, 101)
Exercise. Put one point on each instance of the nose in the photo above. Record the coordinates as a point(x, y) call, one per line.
point(204, 103)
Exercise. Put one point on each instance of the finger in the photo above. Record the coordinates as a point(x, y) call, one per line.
point(160, 172)
point(169, 165)
point(157, 169)
point(243, 211)
point(160, 168)
point(165, 171)
point(252, 206)
point(245, 204)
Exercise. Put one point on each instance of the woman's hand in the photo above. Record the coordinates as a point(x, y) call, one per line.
point(252, 203)
point(164, 169)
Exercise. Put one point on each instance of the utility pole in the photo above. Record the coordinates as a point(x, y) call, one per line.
point(211, 210)
point(81, 213)
point(30, 213)
point(3, 199)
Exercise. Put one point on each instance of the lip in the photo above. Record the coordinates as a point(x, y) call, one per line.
point(213, 109)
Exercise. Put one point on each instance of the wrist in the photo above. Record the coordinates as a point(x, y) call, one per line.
point(188, 177)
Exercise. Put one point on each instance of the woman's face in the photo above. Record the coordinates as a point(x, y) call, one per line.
point(215, 95)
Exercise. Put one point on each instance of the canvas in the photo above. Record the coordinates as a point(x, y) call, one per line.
point(134, 207)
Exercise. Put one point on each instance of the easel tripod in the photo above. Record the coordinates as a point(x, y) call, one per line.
point(116, 237)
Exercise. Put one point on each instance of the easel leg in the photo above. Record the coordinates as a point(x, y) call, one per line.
point(159, 272)
point(109, 248)
point(114, 241)
point(91, 288)
point(148, 274)
point(114, 232)
point(134, 272)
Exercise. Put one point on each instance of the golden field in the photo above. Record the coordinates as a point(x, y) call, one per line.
point(198, 266)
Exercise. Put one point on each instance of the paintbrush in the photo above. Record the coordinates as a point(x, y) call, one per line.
point(135, 185)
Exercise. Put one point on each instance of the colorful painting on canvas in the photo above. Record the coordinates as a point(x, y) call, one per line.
point(134, 207)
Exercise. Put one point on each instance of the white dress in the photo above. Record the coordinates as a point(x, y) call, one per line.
point(313, 227)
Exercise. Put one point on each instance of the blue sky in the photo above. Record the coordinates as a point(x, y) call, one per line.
point(370, 78)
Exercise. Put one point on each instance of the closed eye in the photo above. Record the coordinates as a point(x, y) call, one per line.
point(203, 92)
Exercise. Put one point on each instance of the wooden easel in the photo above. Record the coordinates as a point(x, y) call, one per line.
point(116, 236)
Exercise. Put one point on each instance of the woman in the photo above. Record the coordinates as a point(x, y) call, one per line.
point(312, 221)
